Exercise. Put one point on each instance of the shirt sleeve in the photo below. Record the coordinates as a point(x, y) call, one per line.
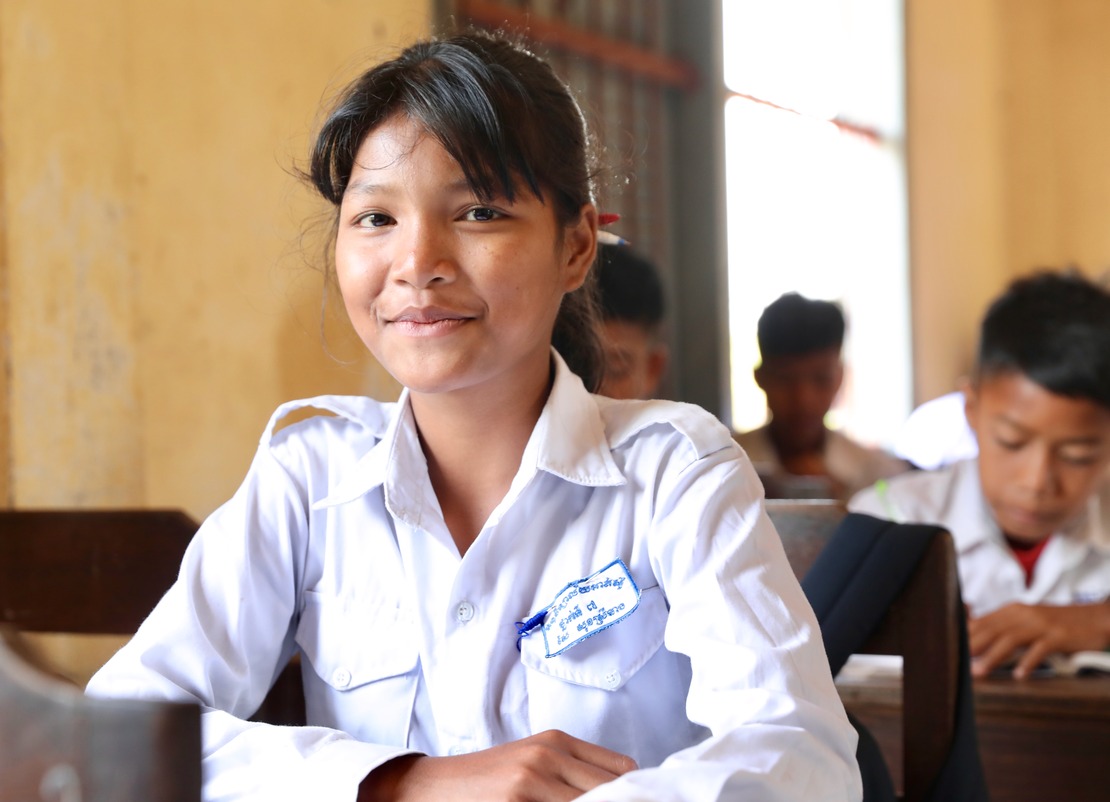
point(760, 678)
point(220, 636)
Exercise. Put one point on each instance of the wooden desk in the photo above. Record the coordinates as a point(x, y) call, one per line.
point(1040, 739)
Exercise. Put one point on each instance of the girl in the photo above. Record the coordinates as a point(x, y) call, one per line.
point(502, 587)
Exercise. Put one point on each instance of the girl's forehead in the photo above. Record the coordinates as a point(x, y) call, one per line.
point(400, 152)
point(401, 142)
point(395, 137)
point(404, 141)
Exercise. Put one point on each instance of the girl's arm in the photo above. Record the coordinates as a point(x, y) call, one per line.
point(761, 682)
point(220, 636)
point(549, 767)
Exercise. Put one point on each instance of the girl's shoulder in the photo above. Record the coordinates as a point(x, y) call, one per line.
point(327, 416)
point(693, 428)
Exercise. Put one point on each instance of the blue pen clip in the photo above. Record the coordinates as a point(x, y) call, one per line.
point(524, 628)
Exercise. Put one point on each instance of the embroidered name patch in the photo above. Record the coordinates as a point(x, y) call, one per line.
point(587, 606)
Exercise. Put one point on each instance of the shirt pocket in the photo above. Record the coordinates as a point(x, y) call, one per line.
point(609, 659)
point(362, 666)
point(620, 688)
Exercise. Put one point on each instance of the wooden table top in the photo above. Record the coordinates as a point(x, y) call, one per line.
point(1086, 697)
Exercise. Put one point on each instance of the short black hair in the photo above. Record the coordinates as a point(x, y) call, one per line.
point(793, 324)
point(629, 287)
point(1053, 327)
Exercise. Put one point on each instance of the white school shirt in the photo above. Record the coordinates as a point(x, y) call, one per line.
point(1074, 567)
point(852, 466)
point(717, 683)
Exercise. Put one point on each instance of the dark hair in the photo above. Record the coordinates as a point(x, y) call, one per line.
point(1053, 327)
point(629, 288)
point(510, 123)
point(793, 324)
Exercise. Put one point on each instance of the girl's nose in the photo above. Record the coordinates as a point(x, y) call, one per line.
point(425, 255)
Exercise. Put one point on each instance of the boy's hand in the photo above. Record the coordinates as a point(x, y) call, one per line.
point(1038, 629)
point(549, 767)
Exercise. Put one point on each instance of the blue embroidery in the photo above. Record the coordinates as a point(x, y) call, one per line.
point(525, 628)
point(584, 608)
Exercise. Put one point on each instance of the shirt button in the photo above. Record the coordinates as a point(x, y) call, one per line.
point(464, 611)
point(612, 680)
point(341, 678)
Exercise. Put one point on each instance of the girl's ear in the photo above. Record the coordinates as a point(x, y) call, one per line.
point(580, 247)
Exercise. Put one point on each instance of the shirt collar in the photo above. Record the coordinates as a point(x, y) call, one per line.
point(970, 507)
point(568, 441)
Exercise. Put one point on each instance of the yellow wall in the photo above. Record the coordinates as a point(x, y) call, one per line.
point(954, 168)
point(1008, 154)
point(156, 303)
point(1057, 141)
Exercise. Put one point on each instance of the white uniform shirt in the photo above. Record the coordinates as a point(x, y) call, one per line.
point(851, 466)
point(1074, 567)
point(717, 684)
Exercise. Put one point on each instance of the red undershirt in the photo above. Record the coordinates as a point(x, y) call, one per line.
point(1027, 555)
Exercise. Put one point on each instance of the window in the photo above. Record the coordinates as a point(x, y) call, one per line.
point(816, 194)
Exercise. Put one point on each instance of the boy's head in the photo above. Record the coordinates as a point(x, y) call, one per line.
point(801, 371)
point(632, 307)
point(1039, 401)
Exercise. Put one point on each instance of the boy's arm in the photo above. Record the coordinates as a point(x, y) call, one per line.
point(1039, 630)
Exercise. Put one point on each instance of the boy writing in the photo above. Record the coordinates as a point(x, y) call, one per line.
point(1031, 515)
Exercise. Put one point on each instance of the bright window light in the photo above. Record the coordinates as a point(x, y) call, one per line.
point(816, 207)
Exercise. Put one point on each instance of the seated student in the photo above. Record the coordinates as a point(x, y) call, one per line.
point(502, 587)
point(1030, 516)
point(631, 298)
point(801, 372)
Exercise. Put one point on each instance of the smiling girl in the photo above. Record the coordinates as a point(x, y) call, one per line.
point(502, 587)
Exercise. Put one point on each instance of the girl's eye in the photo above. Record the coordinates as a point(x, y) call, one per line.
point(374, 220)
point(482, 214)
point(1009, 445)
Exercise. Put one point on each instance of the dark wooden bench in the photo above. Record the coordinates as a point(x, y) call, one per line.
point(102, 572)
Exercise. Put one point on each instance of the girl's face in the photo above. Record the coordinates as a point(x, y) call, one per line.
point(451, 294)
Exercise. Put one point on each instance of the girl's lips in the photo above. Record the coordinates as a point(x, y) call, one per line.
point(429, 321)
point(427, 315)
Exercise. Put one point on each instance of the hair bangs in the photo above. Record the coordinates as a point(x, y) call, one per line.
point(469, 111)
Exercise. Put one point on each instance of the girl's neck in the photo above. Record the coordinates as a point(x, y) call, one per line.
point(473, 443)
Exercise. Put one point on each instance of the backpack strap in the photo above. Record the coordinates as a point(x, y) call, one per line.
point(851, 584)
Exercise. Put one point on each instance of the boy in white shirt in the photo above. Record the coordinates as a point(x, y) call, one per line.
point(795, 453)
point(1031, 515)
